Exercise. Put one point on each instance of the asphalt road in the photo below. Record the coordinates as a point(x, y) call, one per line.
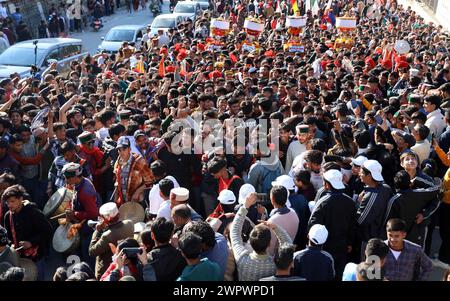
point(92, 39)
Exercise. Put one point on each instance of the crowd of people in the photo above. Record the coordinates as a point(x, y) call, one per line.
point(320, 165)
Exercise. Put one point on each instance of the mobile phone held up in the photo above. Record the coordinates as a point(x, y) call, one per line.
point(131, 252)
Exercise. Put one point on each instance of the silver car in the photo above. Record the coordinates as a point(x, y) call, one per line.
point(164, 22)
point(19, 57)
point(187, 9)
point(124, 33)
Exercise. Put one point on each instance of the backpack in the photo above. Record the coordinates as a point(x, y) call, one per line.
point(267, 179)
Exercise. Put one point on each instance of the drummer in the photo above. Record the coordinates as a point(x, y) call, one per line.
point(27, 226)
point(84, 205)
point(110, 229)
point(133, 175)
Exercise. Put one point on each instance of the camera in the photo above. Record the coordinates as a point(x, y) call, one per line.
point(132, 252)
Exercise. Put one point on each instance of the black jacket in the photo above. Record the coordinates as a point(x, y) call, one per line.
point(181, 166)
point(30, 225)
point(313, 264)
point(406, 204)
point(167, 262)
point(371, 211)
point(337, 212)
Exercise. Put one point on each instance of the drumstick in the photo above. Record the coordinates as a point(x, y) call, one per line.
point(58, 216)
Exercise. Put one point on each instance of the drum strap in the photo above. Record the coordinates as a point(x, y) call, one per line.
point(32, 252)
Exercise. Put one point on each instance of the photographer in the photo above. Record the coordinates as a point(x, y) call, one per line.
point(129, 260)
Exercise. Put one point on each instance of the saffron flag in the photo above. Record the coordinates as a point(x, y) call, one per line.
point(161, 69)
point(294, 6)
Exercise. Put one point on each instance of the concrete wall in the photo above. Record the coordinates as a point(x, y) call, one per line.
point(443, 12)
point(437, 11)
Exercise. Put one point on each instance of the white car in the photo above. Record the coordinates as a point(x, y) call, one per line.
point(124, 33)
point(187, 9)
point(165, 22)
point(204, 5)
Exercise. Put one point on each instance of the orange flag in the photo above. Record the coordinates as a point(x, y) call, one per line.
point(161, 69)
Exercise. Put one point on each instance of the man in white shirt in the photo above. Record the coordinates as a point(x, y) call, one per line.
point(3, 11)
point(165, 210)
point(155, 198)
point(422, 147)
point(435, 120)
point(297, 147)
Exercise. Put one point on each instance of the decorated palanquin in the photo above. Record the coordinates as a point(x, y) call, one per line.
point(219, 28)
point(345, 26)
point(253, 28)
point(294, 25)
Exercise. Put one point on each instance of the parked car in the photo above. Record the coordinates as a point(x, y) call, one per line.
point(19, 57)
point(187, 9)
point(204, 4)
point(165, 22)
point(113, 40)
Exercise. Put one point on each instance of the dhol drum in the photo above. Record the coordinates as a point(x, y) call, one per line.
point(132, 211)
point(61, 243)
point(58, 202)
point(31, 271)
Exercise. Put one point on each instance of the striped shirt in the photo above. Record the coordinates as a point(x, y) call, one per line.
point(250, 265)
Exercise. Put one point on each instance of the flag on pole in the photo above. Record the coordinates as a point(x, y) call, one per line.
point(315, 7)
point(161, 69)
point(294, 6)
point(278, 8)
point(307, 5)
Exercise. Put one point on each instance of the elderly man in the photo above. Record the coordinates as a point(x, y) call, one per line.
point(109, 230)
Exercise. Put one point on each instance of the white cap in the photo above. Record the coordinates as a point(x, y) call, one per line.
point(318, 234)
point(334, 177)
point(109, 210)
point(227, 197)
point(181, 194)
point(245, 190)
point(285, 181)
point(359, 161)
point(375, 169)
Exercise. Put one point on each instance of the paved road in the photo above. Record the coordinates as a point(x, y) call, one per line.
point(92, 39)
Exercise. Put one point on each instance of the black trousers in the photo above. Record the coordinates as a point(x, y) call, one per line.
point(444, 231)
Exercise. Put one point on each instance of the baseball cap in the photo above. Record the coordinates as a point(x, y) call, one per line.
point(123, 142)
point(226, 197)
point(359, 161)
point(139, 133)
point(252, 70)
point(245, 190)
point(318, 234)
point(375, 168)
point(285, 181)
point(334, 177)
